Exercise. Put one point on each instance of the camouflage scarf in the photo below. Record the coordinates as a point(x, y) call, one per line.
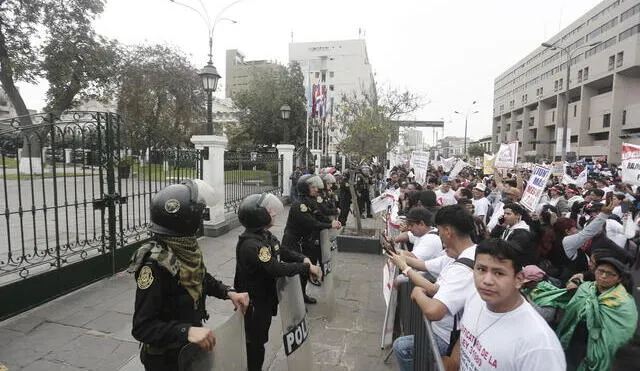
point(182, 257)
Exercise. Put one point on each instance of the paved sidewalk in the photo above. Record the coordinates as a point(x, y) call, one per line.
point(90, 329)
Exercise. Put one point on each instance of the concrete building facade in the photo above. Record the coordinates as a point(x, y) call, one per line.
point(486, 143)
point(240, 72)
point(338, 68)
point(604, 88)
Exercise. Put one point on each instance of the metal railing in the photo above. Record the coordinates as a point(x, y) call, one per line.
point(247, 173)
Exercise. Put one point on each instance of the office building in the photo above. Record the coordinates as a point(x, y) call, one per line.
point(604, 89)
point(240, 72)
point(332, 69)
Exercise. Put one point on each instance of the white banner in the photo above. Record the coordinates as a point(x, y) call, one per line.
point(420, 164)
point(559, 140)
point(630, 163)
point(390, 294)
point(582, 178)
point(447, 163)
point(535, 187)
point(382, 203)
point(507, 155)
point(566, 179)
point(458, 168)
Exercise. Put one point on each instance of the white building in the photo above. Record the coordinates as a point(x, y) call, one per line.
point(335, 68)
point(604, 91)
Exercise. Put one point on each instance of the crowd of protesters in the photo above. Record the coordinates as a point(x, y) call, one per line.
point(518, 289)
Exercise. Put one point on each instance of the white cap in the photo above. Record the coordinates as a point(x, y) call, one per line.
point(481, 187)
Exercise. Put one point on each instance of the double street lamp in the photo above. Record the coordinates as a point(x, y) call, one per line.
point(565, 113)
point(466, 121)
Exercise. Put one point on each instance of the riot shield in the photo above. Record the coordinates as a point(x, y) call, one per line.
point(229, 353)
point(327, 240)
point(293, 315)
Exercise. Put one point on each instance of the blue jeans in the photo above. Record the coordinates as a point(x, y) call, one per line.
point(403, 350)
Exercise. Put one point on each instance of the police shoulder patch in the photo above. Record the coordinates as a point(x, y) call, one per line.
point(303, 208)
point(264, 255)
point(276, 247)
point(319, 199)
point(145, 278)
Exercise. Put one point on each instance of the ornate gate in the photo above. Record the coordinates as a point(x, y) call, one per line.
point(74, 211)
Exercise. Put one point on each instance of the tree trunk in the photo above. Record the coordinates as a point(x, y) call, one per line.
point(354, 202)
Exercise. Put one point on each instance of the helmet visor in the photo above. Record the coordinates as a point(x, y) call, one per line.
point(272, 204)
point(204, 192)
point(316, 181)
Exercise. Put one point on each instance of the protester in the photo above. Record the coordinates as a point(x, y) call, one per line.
point(422, 234)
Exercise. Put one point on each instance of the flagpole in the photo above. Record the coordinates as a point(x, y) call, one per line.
point(306, 161)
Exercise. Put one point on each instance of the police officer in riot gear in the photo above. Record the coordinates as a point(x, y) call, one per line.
point(327, 200)
point(344, 199)
point(302, 232)
point(172, 279)
point(259, 261)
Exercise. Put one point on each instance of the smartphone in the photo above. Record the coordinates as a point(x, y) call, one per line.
point(608, 198)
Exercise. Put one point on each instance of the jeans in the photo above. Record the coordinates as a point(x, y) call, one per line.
point(403, 350)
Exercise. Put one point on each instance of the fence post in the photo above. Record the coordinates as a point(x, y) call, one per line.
point(286, 150)
point(213, 171)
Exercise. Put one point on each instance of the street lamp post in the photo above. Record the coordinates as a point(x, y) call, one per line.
point(209, 73)
point(565, 113)
point(466, 121)
point(285, 113)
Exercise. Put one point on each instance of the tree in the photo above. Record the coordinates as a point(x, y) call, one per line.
point(365, 123)
point(160, 96)
point(259, 106)
point(475, 150)
point(52, 39)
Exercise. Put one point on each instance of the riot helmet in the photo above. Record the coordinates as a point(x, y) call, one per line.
point(255, 210)
point(328, 178)
point(305, 181)
point(178, 209)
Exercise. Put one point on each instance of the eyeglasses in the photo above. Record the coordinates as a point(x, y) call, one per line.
point(605, 274)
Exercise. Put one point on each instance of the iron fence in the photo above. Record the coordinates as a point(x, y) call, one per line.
point(75, 208)
point(247, 173)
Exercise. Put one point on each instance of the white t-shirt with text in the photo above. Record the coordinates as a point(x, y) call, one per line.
point(517, 340)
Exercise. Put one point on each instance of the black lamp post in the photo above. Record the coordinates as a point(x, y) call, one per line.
point(209, 75)
point(285, 113)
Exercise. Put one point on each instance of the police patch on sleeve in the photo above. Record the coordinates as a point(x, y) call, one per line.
point(145, 278)
point(303, 208)
point(319, 199)
point(264, 254)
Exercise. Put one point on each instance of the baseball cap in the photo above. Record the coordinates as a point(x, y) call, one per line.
point(481, 187)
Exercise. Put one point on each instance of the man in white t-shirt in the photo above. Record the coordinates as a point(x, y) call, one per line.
point(445, 195)
point(480, 202)
point(500, 330)
point(442, 300)
point(426, 242)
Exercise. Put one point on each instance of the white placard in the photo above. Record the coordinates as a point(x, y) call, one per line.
point(420, 164)
point(630, 163)
point(458, 168)
point(535, 187)
point(507, 155)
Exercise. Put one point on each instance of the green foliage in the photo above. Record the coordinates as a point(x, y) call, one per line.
point(366, 128)
point(160, 96)
point(260, 119)
point(475, 150)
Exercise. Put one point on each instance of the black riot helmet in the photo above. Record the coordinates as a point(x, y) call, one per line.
point(303, 186)
point(255, 210)
point(177, 210)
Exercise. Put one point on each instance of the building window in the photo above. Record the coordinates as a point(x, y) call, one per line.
point(624, 117)
point(317, 75)
point(331, 74)
point(606, 120)
point(560, 84)
point(541, 92)
point(589, 123)
point(553, 116)
point(629, 32)
point(579, 75)
point(575, 110)
point(612, 62)
point(555, 85)
point(324, 76)
point(585, 74)
point(619, 59)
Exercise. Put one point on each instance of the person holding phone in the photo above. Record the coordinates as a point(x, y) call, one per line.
point(422, 234)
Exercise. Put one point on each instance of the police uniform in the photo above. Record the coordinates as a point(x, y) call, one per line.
point(164, 311)
point(344, 200)
point(172, 281)
point(259, 262)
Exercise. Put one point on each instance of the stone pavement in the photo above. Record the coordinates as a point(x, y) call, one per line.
point(90, 329)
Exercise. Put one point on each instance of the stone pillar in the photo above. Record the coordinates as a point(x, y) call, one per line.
point(343, 160)
point(286, 150)
point(213, 172)
point(333, 158)
point(317, 153)
point(68, 155)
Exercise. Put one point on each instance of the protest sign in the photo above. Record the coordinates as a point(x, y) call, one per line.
point(557, 169)
point(458, 168)
point(420, 163)
point(487, 164)
point(507, 155)
point(630, 163)
point(535, 187)
point(448, 163)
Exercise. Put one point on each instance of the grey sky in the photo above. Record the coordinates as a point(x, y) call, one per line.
point(448, 51)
